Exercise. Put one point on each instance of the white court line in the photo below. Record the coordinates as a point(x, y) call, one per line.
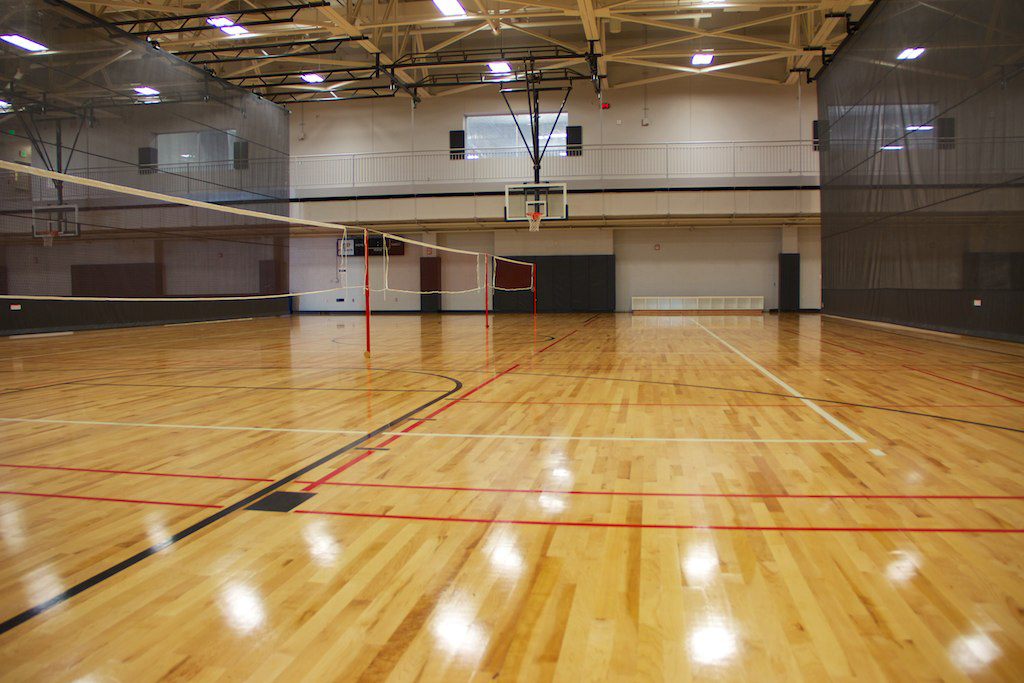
point(531, 437)
point(207, 322)
point(857, 438)
point(36, 335)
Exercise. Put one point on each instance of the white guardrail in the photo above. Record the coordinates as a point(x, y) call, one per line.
point(591, 162)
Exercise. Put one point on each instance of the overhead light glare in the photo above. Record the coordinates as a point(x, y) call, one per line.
point(702, 58)
point(499, 67)
point(914, 129)
point(891, 148)
point(4, 106)
point(227, 26)
point(312, 78)
point(24, 43)
point(911, 53)
point(450, 8)
point(146, 90)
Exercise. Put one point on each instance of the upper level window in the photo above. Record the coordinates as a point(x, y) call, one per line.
point(488, 135)
point(195, 147)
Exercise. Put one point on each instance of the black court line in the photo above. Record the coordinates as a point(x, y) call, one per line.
point(235, 386)
point(95, 579)
point(772, 393)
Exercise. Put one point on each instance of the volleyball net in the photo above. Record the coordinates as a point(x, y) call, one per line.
point(66, 237)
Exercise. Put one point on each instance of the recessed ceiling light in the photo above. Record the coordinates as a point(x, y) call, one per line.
point(24, 43)
point(146, 90)
point(312, 78)
point(450, 8)
point(499, 67)
point(911, 53)
point(227, 26)
point(702, 58)
point(914, 129)
point(891, 148)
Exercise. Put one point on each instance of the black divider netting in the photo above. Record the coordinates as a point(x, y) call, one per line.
point(922, 168)
point(113, 244)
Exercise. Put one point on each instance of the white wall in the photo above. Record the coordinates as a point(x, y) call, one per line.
point(695, 261)
point(687, 110)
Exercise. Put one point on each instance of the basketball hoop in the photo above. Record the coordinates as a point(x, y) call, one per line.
point(535, 218)
point(48, 238)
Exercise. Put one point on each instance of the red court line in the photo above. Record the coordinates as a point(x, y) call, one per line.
point(1000, 372)
point(816, 496)
point(969, 386)
point(698, 527)
point(326, 479)
point(108, 500)
point(733, 405)
point(149, 474)
point(556, 341)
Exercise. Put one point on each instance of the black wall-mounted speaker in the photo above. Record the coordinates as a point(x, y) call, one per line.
point(147, 160)
point(241, 155)
point(945, 132)
point(574, 141)
point(457, 144)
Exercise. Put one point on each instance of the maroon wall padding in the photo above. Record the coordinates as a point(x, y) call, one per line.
point(117, 279)
point(430, 280)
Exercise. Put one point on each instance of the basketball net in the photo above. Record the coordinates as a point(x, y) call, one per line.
point(48, 238)
point(535, 218)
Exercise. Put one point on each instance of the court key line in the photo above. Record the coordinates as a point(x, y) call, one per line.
point(697, 527)
point(540, 437)
point(395, 436)
point(857, 438)
point(109, 500)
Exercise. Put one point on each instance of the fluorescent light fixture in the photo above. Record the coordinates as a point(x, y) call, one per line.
point(312, 78)
point(24, 43)
point(450, 8)
point(891, 148)
point(4, 106)
point(702, 58)
point(914, 129)
point(499, 67)
point(227, 26)
point(911, 53)
point(472, 156)
point(146, 90)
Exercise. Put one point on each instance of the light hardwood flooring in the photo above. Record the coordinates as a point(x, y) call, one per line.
point(584, 498)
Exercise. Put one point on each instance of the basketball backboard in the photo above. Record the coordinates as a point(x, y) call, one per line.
point(547, 199)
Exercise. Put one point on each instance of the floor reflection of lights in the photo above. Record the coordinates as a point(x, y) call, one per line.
point(321, 544)
point(455, 629)
point(700, 564)
point(903, 566)
point(242, 607)
point(974, 652)
point(712, 642)
point(503, 553)
point(12, 530)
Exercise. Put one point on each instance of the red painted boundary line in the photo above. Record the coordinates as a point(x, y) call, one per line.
point(556, 341)
point(627, 404)
point(108, 500)
point(969, 386)
point(825, 496)
point(1000, 372)
point(330, 475)
point(150, 474)
point(698, 527)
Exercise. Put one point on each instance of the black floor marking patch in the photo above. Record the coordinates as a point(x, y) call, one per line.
point(281, 501)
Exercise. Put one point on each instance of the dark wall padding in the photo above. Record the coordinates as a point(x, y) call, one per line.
point(117, 279)
point(430, 280)
point(916, 233)
point(565, 284)
point(789, 282)
point(51, 316)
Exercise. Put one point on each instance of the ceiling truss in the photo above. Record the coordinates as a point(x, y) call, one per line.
point(407, 48)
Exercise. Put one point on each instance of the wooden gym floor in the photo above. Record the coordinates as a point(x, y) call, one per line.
point(602, 498)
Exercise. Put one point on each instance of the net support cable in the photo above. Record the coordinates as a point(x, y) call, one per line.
point(476, 272)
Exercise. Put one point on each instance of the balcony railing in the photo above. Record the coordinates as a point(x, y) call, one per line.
point(682, 163)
